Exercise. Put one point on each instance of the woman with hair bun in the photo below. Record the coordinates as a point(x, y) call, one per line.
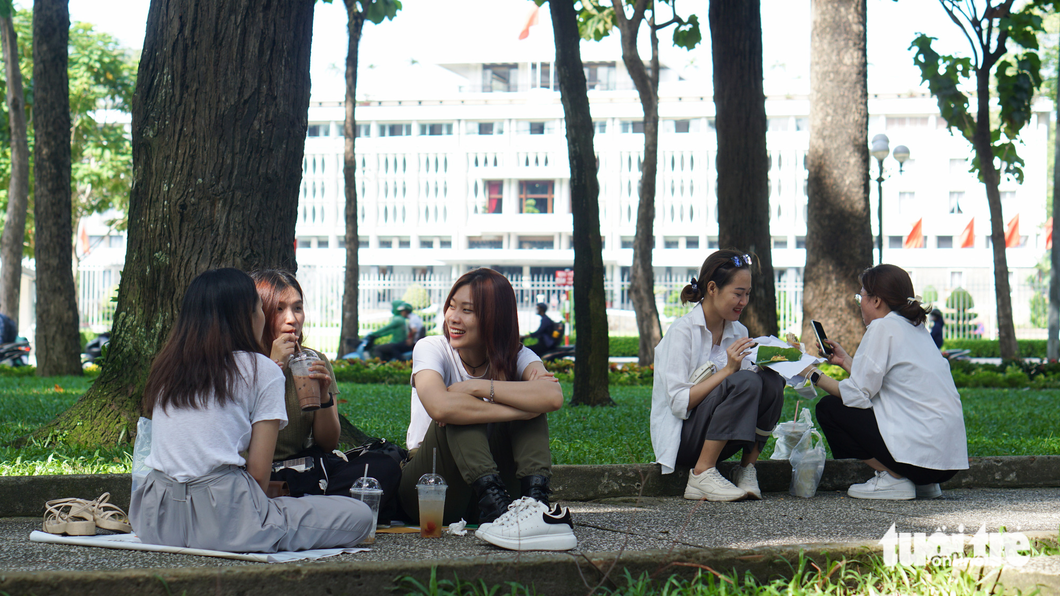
point(899, 411)
point(698, 420)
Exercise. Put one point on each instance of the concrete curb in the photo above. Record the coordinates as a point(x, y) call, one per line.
point(24, 496)
point(571, 575)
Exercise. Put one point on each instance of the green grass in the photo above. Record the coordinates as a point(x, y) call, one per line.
point(998, 421)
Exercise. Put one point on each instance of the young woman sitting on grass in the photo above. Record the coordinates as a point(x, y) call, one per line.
point(481, 399)
point(899, 411)
point(699, 422)
point(213, 395)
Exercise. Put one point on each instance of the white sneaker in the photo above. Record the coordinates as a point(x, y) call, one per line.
point(712, 486)
point(928, 491)
point(884, 486)
point(530, 525)
point(747, 479)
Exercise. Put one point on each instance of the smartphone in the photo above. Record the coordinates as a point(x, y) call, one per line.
point(818, 330)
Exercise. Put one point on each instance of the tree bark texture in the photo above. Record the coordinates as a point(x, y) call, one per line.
point(590, 303)
point(1053, 343)
point(839, 233)
point(218, 125)
point(984, 150)
point(743, 160)
point(349, 333)
point(58, 342)
point(13, 237)
point(642, 275)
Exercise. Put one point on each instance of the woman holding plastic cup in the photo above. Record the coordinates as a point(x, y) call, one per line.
point(899, 411)
point(480, 399)
point(310, 391)
point(698, 419)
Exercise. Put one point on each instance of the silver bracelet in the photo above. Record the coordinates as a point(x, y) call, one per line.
point(491, 392)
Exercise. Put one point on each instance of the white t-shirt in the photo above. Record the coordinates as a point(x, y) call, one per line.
point(900, 374)
point(435, 353)
point(187, 443)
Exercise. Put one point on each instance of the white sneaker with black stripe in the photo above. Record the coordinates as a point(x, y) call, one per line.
point(531, 525)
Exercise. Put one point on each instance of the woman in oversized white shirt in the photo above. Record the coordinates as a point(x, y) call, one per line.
point(899, 411)
point(697, 424)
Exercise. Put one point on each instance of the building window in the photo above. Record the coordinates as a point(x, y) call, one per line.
point(692, 242)
point(780, 243)
point(436, 130)
point(907, 122)
point(426, 243)
point(777, 124)
point(318, 130)
point(445, 243)
point(682, 126)
point(907, 202)
point(362, 242)
point(1007, 196)
point(944, 242)
point(633, 126)
point(955, 202)
point(494, 196)
point(958, 166)
point(395, 130)
point(305, 243)
point(600, 127)
point(537, 128)
point(499, 78)
point(386, 243)
point(800, 242)
point(479, 243)
point(895, 241)
point(600, 76)
point(528, 243)
point(956, 279)
point(535, 196)
point(671, 243)
point(404, 243)
point(487, 128)
point(322, 242)
point(802, 124)
point(544, 78)
point(116, 241)
point(712, 242)
point(627, 242)
point(362, 131)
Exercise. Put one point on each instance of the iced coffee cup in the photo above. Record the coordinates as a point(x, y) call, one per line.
point(431, 492)
point(369, 491)
point(307, 387)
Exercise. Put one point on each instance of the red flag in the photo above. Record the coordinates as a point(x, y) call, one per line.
point(530, 22)
point(1012, 232)
point(85, 246)
point(967, 239)
point(1048, 233)
point(915, 239)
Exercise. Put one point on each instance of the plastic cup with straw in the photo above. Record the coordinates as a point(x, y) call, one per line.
point(431, 492)
point(368, 490)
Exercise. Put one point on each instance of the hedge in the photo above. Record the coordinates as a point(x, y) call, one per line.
point(989, 348)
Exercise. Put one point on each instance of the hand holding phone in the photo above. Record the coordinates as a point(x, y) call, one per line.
point(818, 330)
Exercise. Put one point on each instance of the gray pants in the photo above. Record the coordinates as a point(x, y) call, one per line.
point(226, 510)
point(742, 410)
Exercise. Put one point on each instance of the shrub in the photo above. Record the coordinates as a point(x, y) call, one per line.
point(624, 346)
point(372, 371)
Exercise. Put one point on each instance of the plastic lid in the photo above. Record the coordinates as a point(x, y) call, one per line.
point(304, 356)
point(431, 480)
point(366, 483)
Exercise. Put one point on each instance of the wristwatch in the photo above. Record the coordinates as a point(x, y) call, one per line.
point(814, 377)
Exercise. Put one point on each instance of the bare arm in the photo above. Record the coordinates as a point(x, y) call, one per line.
point(262, 447)
point(457, 407)
point(538, 391)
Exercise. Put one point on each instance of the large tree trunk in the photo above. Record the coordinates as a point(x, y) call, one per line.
point(642, 275)
point(590, 305)
point(217, 154)
point(743, 162)
point(58, 343)
point(14, 235)
point(1053, 343)
point(839, 234)
point(984, 150)
point(349, 332)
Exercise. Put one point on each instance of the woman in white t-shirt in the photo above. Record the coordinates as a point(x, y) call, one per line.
point(480, 399)
point(214, 396)
point(899, 411)
point(696, 421)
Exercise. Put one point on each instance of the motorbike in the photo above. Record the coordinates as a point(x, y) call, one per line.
point(94, 349)
point(15, 353)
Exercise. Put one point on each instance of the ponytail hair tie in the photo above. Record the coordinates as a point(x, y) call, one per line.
point(914, 299)
point(695, 285)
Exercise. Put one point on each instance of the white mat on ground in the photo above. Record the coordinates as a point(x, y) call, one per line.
point(131, 542)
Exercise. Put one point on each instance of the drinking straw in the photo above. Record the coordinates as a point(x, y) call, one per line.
point(797, 402)
point(434, 461)
point(364, 481)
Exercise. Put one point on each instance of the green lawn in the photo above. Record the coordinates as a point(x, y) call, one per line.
point(580, 435)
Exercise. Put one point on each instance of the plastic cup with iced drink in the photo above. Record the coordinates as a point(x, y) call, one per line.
point(431, 491)
point(369, 490)
point(307, 387)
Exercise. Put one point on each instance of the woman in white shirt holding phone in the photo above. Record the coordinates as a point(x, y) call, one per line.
point(697, 422)
point(899, 411)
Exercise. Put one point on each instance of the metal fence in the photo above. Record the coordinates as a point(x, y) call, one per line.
point(969, 312)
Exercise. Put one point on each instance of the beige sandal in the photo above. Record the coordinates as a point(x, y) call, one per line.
point(69, 516)
point(109, 516)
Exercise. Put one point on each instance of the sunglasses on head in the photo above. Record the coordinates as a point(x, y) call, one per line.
point(742, 261)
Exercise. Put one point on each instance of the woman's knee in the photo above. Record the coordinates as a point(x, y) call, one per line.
point(826, 409)
point(746, 380)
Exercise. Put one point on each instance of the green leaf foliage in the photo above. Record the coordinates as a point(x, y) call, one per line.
point(377, 11)
point(687, 34)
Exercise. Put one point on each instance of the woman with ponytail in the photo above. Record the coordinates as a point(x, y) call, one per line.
point(899, 411)
point(698, 420)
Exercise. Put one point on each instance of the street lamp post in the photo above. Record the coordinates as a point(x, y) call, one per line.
point(880, 149)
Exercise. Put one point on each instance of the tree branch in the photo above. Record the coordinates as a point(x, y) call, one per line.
point(950, 7)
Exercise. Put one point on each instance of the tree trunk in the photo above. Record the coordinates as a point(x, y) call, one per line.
point(58, 343)
point(590, 304)
point(13, 237)
point(218, 126)
point(642, 275)
point(984, 150)
point(1053, 343)
point(350, 330)
point(743, 160)
point(839, 233)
